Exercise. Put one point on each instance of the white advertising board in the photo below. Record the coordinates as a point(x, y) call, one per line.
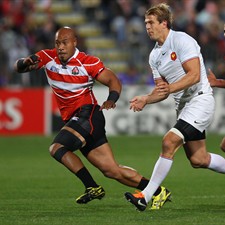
point(155, 118)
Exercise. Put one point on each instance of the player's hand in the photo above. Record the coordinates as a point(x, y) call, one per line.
point(31, 61)
point(138, 103)
point(211, 77)
point(108, 105)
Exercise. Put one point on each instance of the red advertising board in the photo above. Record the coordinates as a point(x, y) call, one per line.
point(25, 111)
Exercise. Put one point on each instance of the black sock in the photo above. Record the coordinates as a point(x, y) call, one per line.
point(157, 191)
point(86, 178)
point(144, 182)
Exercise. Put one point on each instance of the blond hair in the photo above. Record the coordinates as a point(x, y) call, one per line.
point(162, 12)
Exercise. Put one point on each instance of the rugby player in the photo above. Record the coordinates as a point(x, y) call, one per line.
point(178, 69)
point(71, 75)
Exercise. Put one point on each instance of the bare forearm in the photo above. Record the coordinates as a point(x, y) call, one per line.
point(154, 97)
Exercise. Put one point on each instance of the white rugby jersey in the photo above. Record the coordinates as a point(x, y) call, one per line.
point(72, 83)
point(166, 61)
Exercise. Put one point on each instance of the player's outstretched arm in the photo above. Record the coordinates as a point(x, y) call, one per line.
point(159, 93)
point(29, 63)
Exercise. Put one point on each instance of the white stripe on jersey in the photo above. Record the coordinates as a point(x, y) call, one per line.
point(47, 54)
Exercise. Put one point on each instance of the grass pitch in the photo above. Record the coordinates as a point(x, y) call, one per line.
point(36, 190)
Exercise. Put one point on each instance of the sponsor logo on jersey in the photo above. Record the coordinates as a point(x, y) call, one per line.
point(75, 70)
point(158, 64)
point(173, 56)
point(54, 69)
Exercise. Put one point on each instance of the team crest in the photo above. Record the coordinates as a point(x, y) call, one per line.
point(173, 56)
point(75, 70)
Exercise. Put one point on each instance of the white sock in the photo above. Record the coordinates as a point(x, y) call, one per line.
point(161, 169)
point(217, 163)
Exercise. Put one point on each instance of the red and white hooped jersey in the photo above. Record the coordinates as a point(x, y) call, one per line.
point(71, 84)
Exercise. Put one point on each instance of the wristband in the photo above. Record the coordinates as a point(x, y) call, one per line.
point(34, 57)
point(113, 96)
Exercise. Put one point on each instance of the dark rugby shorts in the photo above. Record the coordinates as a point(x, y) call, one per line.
point(90, 123)
point(190, 133)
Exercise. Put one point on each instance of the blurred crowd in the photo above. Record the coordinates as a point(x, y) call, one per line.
point(121, 19)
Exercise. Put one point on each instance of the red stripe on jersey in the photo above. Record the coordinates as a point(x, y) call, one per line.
point(46, 56)
point(90, 120)
point(68, 106)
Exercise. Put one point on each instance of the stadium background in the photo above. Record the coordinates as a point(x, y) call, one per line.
point(34, 189)
point(114, 30)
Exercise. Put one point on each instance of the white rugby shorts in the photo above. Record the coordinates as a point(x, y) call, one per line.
point(199, 111)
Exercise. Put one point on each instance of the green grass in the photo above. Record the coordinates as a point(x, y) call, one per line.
point(36, 190)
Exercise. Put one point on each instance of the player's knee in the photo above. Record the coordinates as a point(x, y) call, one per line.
point(111, 172)
point(118, 171)
point(57, 151)
point(167, 148)
point(68, 139)
point(53, 148)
